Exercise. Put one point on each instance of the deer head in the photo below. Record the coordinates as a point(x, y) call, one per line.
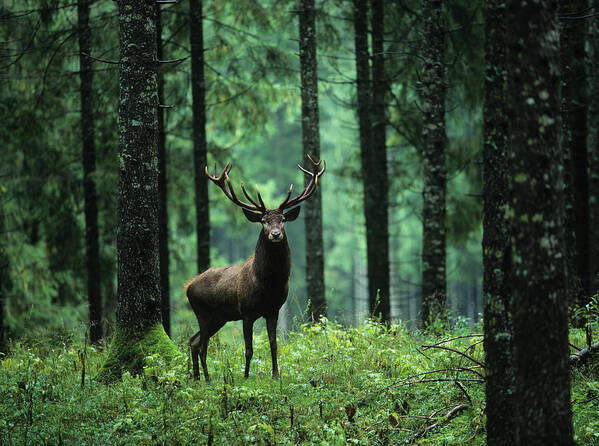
point(272, 220)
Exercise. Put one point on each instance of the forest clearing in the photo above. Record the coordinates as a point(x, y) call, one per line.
point(418, 262)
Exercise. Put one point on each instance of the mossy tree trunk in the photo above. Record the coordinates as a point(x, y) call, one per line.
point(165, 299)
point(139, 330)
point(538, 281)
point(593, 146)
point(377, 244)
point(574, 106)
point(432, 94)
point(198, 93)
point(379, 230)
point(496, 235)
point(92, 245)
point(311, 144)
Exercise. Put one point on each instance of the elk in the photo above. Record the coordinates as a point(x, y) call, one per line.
point(256, 288)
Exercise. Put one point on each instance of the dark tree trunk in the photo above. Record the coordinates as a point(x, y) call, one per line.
point(311, 144)
point(165, 298)
point(198, 93)
point(538, 280)
point(376, 242)
point(139, 330)
point(574, 105)
point(593, 146)
point(434, 169)
point(379, 230)
point(4, 286)
point(496, 236)
point(92, 247)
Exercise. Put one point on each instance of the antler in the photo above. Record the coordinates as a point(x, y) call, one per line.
point(230, 193)
point(309, 188)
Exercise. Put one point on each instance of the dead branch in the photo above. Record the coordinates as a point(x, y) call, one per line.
point(441, 347)
point(448, 416)
point(581, 357)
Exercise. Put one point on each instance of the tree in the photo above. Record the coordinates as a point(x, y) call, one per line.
point(198, 92)
point(496, 235)
point(432, 93)
point(139, 331)
point(92, 246)
point(4, 282)
point(538, 280)
point(311, 143)
point(165, 298)
point(593, 146)
point(574, 105)
point(375, 193)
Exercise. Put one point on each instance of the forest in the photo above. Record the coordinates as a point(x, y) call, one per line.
point(418, 239)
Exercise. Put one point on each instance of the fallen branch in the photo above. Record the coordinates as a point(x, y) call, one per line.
point(581, 357)
point(449, 349)
point(448, 416)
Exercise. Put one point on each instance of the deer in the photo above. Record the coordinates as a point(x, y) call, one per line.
point(256, 288)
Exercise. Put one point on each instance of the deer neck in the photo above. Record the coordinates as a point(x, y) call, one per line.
point(272, 260)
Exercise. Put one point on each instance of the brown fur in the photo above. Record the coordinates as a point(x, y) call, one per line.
point(257, 288)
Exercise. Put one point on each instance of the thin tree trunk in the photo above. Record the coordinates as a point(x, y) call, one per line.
point(593, 146)
point(198, 93)
point(92, 247)
point(496, 236)
point(434, 170)
point(379, 230)
point(311, 144)
point(162, 190)
point(538, 281)
point(139, 330)
point(378, 275)
point(574, 96)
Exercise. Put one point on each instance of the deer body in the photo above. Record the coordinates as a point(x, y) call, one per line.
point(256, 288)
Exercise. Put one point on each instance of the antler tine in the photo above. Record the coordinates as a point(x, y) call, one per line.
point(309, 188)
point(230, 192)
point(260, 206)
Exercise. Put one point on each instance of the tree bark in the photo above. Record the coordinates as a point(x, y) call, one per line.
point(139, 330)
point(92, 246)
point(311, 144)
point(198, 93)
point(538, 280)
point(593, 146)
point(496, 235)
point(434, 169)
point(165, 297)
point(376, 237)
point(574, 105)
point(378, 175)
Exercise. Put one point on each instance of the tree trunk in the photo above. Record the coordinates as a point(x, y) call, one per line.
point(92, 247)
point(379, 230)
point(497, 318)
point(165, 298)
point(538, 280)
point(593, 147)
point(198, 93)
point(4, 284)
point(434, 169)
point(574, 105)
point(376, 242)
point(139, 330)
point(311, 144)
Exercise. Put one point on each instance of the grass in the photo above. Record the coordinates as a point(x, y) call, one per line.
point(369, 385)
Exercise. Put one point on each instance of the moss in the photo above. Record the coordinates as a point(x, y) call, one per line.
point(128, 351)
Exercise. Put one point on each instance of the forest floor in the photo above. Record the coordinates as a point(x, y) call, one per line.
point(366, 385)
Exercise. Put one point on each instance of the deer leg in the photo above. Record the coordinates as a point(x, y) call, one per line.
point(194, 345)
point(206, 333)
point(248, 329)
point(271, 328)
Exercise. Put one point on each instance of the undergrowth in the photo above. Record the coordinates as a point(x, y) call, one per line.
point(370, 385)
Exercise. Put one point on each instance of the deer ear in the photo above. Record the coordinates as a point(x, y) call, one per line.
point(292, 214)
point(254, 217)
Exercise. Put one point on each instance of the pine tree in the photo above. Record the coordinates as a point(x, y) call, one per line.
point(311, 143)
point(538, 281)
